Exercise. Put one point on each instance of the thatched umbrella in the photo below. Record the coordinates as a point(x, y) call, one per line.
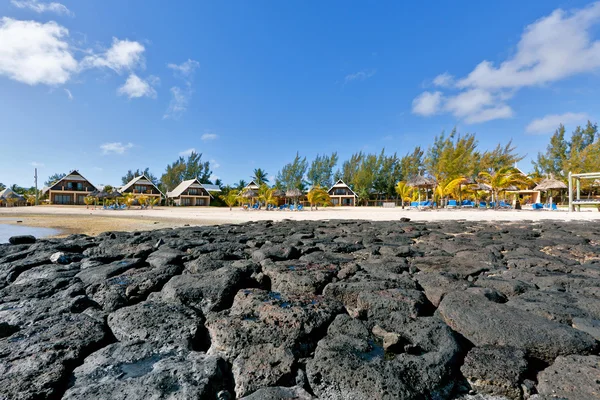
point(249, 194)
point(293, 193)
point(549, 184)
point(419, 182)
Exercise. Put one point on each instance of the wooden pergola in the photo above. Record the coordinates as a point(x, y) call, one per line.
point(578, 201)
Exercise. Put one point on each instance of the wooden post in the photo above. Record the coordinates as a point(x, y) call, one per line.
point(570, 192)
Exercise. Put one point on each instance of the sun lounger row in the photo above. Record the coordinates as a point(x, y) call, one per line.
point(270, 207)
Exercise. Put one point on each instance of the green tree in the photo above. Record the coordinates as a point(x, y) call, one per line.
point(553, 160)
point(291, 175)
point(260, 176)
point(241, 184)
point(500, 157)
point(52, 179)
point(2, 186)
point(267, 195)
point(231, 198)
point(411, 164)
point(502, 179)
point(452, 157)
point(184, 169)
point(134, 174)
point(320, 172)
point(318, 196)
point(404, 192)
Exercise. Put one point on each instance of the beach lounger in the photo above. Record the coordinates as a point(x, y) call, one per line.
point(255, 207)
point(414, 204)
point(300, 207)
point(292, 208)
point(452, 204)
point(537, 206)
point(467, 203)
point(482, 204)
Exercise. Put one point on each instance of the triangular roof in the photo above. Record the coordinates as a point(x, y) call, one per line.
point(340, 183)
point(252, 185)
point(184, 185)
point(211, 188)
point(136, 180)
point(73, 176)
point(8, 193)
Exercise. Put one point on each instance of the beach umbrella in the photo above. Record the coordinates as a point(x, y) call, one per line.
point(419, 182)
point(549, 184)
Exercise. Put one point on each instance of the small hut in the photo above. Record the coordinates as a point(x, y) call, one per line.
point(550, 184)
point(421, 182)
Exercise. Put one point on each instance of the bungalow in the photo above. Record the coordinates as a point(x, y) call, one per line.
point(190, 193)
point(8, 198)
point(342, 195)
point(71, 189)
point(251, 186)
point(141, 185)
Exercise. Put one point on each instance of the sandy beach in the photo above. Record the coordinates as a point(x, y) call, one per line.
point(79, 219)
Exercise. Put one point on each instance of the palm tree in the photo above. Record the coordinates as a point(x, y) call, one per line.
point(128, 199)
point(88, 200)
point(231, 198)
point(502, 179)
point(142, 200)
point(241, 184)
point(260, 176)
point(267, 195)
point(404, 191)
point(443, 191)
point(153, 201)
point(318, 196)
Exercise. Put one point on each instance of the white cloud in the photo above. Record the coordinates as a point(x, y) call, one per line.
point(69, 94)
point(427, 103)
point(214, 164)
point(488, 114)
point(136, 87)
point(444, 80)
point(550, 49)
point(38, 7)
point(188, 152)
point(122, 55)
point(179, 103)
point(115, 148)
point(36, 164)
point(360, 75)
point(209, 136)
point(550, 122)
point(35, 53)
point(185, 69)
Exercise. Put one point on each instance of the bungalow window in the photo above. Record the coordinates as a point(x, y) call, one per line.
point(140, 189)
point(193, 191)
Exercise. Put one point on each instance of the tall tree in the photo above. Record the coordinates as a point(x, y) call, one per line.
point(184, 169)
point(291, 175)
point(260, 176)
point(350, 168)
point(500, 157)
point(52, 179)
point(134, 174)
point(411, 164)
point(452, 157)
point(2, 186)
point(553, 160)
point(241, 184)
point(320, 172)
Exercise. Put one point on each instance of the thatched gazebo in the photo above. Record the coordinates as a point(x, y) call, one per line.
point(294, 194)
point(249, 194)
point(421, 182)
point(550, 184)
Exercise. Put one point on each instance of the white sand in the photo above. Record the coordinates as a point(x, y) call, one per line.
point(217, 215)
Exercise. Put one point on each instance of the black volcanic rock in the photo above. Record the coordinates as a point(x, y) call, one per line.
point(305, 310)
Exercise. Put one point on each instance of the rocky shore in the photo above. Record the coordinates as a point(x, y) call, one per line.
point(305, 310)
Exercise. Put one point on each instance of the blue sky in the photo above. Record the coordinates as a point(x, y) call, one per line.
point(107, 86)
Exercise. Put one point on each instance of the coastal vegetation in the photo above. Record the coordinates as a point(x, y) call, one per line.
point(455, 164)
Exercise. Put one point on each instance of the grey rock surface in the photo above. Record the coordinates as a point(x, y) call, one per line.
point(303, 310)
